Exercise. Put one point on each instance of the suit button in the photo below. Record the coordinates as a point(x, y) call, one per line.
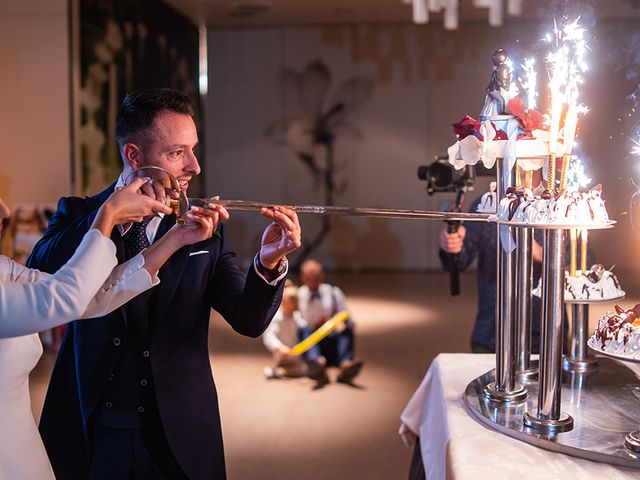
point(143, 382)
point(112, 377)
point(108, 404)
point(117, 341)
point(140, 409)
point(145, 354)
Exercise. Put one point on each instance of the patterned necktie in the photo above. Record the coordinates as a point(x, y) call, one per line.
point(136, 237)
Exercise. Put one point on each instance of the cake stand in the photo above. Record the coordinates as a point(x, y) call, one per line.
point(632, 439)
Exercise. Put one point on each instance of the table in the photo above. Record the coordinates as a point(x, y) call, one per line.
point(454, 446)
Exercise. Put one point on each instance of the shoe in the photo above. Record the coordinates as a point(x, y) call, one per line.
point(349, 373)
point(270, 373)
point(317, 371)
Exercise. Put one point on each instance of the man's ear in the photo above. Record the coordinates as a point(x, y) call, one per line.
point(132, 155)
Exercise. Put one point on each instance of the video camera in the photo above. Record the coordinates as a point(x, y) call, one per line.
point(441, 176)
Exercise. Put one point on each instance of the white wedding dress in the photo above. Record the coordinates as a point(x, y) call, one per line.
point(31, 301)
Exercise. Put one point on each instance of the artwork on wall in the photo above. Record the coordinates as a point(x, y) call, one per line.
point(119, 46)
point(323, 117)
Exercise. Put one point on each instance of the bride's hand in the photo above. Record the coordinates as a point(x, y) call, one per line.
point(129, 205)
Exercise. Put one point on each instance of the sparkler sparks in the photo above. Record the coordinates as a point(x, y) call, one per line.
point(577, 178)
point(635, 148)
point(567, 65)
point(530, 81)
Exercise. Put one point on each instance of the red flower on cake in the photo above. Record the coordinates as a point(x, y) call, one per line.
point(465, 127)
point(529, 120)
point(470, 126)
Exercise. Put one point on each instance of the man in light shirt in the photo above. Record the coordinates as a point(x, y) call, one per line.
point(318, 302)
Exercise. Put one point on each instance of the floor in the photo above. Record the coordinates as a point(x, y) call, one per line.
point(283, 429)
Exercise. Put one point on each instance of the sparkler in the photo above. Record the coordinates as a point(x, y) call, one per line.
point(567, 65)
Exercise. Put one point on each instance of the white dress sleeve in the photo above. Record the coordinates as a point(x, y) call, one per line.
point(32, 301)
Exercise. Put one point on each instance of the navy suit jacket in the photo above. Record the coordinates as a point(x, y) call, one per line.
point(184, 388)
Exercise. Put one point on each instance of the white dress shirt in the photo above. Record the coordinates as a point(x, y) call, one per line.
point(320, 305)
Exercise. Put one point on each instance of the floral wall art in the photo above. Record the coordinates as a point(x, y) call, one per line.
point(119, 46)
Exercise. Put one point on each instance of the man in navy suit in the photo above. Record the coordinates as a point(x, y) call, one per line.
point(132, 394)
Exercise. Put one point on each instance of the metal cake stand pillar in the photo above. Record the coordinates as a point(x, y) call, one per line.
point(548, 417)
point(505, 388)
point(580, 358)
point(524, 283)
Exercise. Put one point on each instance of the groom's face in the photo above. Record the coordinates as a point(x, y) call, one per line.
point(171, 144)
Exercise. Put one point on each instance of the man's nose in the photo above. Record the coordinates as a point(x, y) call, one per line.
point(192, 165)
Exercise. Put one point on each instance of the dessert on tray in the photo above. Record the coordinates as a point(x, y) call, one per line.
point(488, 200)
point(618, 333)
point(595, 284)
point(543, 207)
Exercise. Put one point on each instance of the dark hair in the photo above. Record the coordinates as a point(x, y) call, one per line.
point(139, 109)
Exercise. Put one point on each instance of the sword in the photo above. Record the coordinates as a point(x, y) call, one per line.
point(247, 205)
point(162, 183)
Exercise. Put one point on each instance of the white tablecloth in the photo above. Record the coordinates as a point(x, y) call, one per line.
point(455, 446)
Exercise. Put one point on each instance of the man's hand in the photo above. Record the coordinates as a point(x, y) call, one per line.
point(452, 242)
point(200, 225)
point(217, 213)
point(281, 237)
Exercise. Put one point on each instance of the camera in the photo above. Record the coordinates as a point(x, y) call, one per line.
point(442, 177)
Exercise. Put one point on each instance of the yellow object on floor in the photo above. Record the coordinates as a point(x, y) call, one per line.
point(324, 330)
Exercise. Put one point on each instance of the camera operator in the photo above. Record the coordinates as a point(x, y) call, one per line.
point(478, 240)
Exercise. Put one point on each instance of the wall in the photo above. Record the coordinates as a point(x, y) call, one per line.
point(35, 161)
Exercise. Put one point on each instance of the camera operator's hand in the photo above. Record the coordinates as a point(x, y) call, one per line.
point(452, 242)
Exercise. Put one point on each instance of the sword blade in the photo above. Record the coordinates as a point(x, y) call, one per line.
point(247, 205)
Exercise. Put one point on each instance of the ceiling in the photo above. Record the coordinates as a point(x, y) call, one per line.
point(219, 13)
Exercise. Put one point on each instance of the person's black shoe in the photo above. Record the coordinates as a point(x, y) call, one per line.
point(317, 371)
point(349, 373)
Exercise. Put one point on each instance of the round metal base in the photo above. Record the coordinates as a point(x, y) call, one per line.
point(612, 388)
point(563, 424)
point(519, 394)
point(580, 366)
point(632, 441)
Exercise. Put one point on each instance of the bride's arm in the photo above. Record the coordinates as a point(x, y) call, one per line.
point(32, 301)
point(140, 273)
point(53, 300)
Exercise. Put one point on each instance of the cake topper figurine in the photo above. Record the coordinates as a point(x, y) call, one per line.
point(496, 95)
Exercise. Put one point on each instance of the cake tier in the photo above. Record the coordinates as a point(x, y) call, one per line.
point(579, 208)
